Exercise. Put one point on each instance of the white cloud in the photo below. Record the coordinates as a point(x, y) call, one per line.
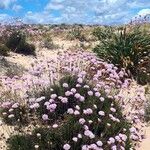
point(86, 11)
point(16, 7)
point(5, 18)
point(4, 4)
point(138, 4)
point(54, 5)
point(144, 12)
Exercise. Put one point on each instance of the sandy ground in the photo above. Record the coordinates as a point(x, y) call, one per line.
point(145, 144)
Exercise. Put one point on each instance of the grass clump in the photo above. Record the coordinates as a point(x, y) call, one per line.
point(49, 44)
point(4, 50)
point(76, 33)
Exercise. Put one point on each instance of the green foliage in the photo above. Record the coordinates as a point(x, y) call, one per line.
point(147, 105)
point(20, 142)
point(147, 112)
point(19, 115)
point(26, 48)
point(17, 43)
point(4, 50)
point(49, 44)
point(124, 47)
point(14, 40)
point(76, 33)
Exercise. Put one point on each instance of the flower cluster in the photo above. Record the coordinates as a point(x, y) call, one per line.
point(81, 117)
point(90, 97)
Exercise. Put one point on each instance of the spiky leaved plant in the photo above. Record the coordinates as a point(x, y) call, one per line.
point(126, 47)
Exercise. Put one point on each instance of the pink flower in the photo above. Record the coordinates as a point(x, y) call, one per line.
point(51, 107)
point(99, 143)
point(111, 140)
point(16, 105)
point(88, 111)
point(76, 112)
point(70, 111)
point(78, 85)
point(89, 134)
point(73, 90)
point(101, 113)
point(90, 93)
point(53, 96)
point(86, 87)
point(82, 121)
point(82, 99)
point(45, 117)
point(85, 147)
point(75, 139)
point(113, 109)
point(93, 146)
point(101, 99)
point(79, 136)
point(80, 80)
point(77, 95)
point(68, 93)
point(97, 94)
point(65, 85)
point(114, 147)
point(55, 125)
point(64, 100)
point(66, 147)
point(6, 104)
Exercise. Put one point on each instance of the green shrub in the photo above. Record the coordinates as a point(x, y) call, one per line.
point(20, 142)
point(26, 48)
point(124, 47)
point(17, 43)
point(14, 40)
point(4, 50)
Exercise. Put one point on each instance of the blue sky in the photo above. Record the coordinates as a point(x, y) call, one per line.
point(73, 11)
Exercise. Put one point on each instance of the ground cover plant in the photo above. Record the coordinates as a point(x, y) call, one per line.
point(88, 96)
point(78, 118)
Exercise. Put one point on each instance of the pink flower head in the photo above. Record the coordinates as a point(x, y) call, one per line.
point(53, 96)
point(66, 147)
point(82, 121)
point(15, 105)
point(90, 93)
point(80, 80)
point(101, 113)
point(65, 85)
point(45, 117)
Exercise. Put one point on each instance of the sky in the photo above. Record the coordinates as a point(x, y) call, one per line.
point(105, 12)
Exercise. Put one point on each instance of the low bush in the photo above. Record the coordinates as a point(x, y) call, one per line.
point(75, 33)
point(14, 40)
point(17, 43)
point(4, 50)
point(125, 47)
point(49, 44)
point(26, 48)
point(73, 115)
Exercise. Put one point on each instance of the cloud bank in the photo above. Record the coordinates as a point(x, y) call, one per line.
point(81, 11)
